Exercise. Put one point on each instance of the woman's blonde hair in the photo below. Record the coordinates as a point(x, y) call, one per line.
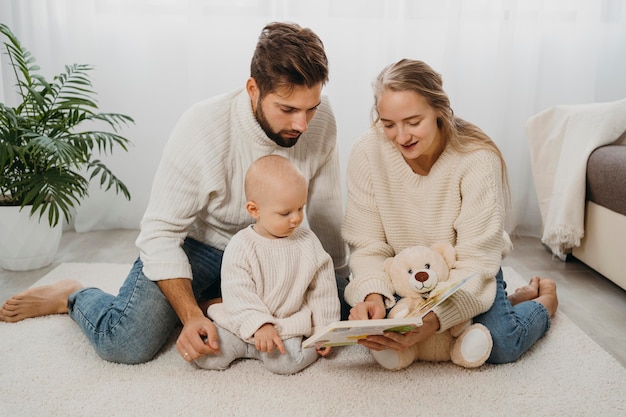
point(419, 77)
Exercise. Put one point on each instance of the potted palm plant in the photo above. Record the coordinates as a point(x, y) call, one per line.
point(49, 145)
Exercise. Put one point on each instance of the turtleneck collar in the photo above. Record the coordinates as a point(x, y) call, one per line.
point(248, 123)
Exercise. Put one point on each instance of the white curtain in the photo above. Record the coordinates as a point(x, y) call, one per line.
point(502, 61)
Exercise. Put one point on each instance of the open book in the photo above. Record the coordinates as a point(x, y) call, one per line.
point(349, 332)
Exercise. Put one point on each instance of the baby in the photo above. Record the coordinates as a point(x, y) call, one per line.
point(278, 283)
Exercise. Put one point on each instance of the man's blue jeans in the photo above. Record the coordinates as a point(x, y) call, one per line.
point(514, 329)
point(134, 325)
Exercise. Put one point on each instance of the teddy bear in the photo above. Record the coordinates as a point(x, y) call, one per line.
point(414, 273)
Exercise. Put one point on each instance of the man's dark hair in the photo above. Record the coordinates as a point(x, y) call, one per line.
point(287, 55)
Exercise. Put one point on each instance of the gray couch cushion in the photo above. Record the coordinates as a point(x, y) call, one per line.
point(606, 177)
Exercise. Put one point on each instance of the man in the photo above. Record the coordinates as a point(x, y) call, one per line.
point(197, 205)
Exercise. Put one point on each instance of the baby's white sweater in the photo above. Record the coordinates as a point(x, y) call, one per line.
point(198, 187)
point(390, 207)
point(288, 282)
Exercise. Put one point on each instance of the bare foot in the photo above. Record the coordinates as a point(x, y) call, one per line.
point(528, 292)
point(547, 295)
point(39, 301)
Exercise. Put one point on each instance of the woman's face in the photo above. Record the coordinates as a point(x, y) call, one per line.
point(411, 124)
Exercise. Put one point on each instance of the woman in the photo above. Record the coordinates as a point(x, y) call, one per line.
point(418, 176)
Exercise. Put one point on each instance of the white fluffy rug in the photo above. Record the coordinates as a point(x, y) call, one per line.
point(47, 368)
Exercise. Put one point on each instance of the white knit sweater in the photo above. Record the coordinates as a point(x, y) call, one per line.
point(390, 208)
point(288, 282)
point(198, 187)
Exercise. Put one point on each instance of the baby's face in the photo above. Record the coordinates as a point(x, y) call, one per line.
point(281, 213)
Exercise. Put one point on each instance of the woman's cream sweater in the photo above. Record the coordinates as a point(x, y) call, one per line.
point(390, 207)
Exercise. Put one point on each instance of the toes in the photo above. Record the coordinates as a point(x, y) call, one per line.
point(547, 285)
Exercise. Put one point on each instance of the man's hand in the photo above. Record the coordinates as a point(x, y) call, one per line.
point(197, 338)
point(266, 337)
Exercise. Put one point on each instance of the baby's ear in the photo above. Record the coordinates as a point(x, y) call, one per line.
point(253, 209)
point(447, 251)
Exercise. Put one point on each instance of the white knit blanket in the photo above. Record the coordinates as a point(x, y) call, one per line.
point(561, 140)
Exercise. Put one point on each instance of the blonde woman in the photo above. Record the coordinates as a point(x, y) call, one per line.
point(421, 175)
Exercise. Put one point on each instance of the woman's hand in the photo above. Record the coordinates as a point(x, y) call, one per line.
point(399, 341)
point(372, 308)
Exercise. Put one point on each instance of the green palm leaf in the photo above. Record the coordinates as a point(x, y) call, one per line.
point(44, 148)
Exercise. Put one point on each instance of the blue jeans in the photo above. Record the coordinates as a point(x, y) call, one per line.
point(514, 329)
point(134, 325)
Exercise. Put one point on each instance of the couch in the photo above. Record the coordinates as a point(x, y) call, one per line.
point(561, 140)
point(603, 246)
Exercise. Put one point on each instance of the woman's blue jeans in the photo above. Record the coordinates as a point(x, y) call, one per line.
point(514, 329)
point(134, 325)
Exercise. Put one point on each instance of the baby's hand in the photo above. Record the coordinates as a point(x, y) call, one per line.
point(266, 337)
point(323, 351)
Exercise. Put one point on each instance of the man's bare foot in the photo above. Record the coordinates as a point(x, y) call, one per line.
point(547, 295)
point(39, 301)
point(528, 292)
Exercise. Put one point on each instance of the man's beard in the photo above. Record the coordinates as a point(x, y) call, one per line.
point(274, 136)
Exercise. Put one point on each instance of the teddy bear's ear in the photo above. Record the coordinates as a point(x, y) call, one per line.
point(447, 251)
point(387, 265)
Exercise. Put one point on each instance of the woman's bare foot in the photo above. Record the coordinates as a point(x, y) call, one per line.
point(547, 295)
point(39, 301)
point(528, 292)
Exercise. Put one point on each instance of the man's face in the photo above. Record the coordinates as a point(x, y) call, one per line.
point(284, 115)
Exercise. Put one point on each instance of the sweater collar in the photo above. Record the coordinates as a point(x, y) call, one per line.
point(248, 123)
point(282, 242)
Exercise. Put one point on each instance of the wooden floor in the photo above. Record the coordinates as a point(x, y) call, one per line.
point(591, 301)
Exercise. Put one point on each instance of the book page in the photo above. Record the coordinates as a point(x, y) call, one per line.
point(349, 332)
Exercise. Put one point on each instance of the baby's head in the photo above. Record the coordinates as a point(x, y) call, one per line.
point(276, 191)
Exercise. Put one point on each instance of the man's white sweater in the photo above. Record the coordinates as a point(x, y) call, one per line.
point(198, 188)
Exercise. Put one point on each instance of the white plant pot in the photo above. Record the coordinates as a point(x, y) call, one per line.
point(27, 242)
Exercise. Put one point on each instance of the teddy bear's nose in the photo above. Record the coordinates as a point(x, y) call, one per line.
point(421, 276)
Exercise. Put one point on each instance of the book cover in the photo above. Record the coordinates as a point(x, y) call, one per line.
point(349, 332)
